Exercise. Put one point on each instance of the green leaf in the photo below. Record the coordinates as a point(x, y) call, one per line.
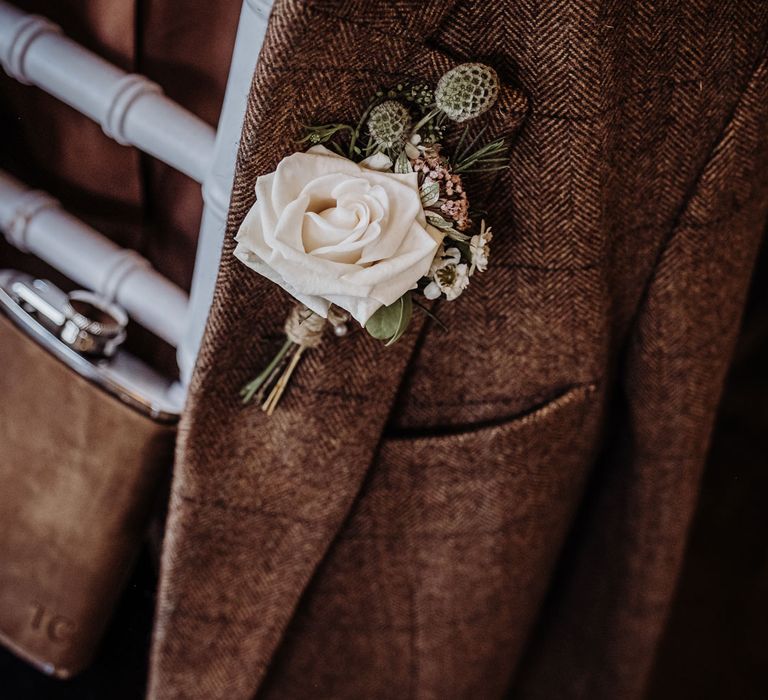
point(402, 164)
point(438, 221)
point(390, 322)
point(457, 235)
point(430, 193)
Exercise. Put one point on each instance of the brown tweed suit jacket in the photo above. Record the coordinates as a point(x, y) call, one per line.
point(500, 509)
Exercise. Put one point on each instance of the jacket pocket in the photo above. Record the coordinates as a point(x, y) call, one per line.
point(536, 412)
point(446, 556)
point(485, 476)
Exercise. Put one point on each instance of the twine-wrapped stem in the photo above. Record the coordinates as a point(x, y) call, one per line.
point(303, 329)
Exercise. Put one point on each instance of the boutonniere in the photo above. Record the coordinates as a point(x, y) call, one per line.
point(373, 217)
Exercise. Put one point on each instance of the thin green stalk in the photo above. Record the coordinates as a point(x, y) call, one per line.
point(464, 135)
point(427, 117)
point(425, 310)
point(338, 149)
point(470, 146)
point(248, 391)
point(493, 155)
point(323, 132)
point(356, 131)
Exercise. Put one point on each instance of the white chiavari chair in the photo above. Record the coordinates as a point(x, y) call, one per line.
point(133, 111)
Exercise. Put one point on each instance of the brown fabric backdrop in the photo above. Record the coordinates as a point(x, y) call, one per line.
point(626, 230)
point(716, 641)
point(502, 508)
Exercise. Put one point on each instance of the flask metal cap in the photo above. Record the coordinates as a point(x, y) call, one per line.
point(84, 331)
point(93, 325)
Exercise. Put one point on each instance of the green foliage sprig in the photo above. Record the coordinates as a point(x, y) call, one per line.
point(472, 158)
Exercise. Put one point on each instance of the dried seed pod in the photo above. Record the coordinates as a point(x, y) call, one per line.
point(468, 90)
point(389, 124)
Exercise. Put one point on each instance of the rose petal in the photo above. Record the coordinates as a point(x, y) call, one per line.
point(404, 208)
point(317, 303)
point(269, 215)
point(295, 171)
point(378, 161)
point(361, 308)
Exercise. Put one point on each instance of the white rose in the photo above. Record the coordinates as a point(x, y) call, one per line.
point(331, 231)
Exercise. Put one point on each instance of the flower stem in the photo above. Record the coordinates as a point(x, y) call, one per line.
point(250, 389)
point(426, 311)
point(426, 118)
point(277, 391)
point(356, 130)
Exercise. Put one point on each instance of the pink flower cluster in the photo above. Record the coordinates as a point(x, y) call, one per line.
point(453, 203)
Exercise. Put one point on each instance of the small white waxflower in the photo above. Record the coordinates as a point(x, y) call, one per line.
point(480, 250)
point(413, 149)
point(449, 275)
point(444, 257)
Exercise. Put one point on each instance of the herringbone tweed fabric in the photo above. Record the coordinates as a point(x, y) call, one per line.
point(500, 509)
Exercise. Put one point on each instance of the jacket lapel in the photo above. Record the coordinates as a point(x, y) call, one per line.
point(257, 501)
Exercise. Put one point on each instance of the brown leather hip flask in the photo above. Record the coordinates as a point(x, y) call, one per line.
point(84, 442)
